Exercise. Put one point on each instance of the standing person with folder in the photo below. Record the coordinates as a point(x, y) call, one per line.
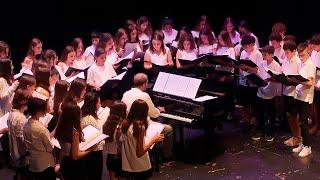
point(304, 98)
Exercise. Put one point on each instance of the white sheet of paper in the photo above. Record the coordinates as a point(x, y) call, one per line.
point(80, 75)
point(153, 129)
point(91, 136)
point(55, 142)
point(120, 76)
point(129, 48)
point(176, 85)
point(103, 114)
point(80, 104)
point(192, 88)
point(46, 119)
point(204, 98)
point(161, 82)
point(4, 121)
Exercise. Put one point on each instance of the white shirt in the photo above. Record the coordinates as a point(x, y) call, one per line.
point(89, 55)
point(226, 51)
point(272, 89)
point(315, 57)
point(90, 120)
point(161, 59)
point(236, 38)
point(206, 49)
point(196, 34)
point(6, 96)
point(16, 121)
point(256, 57)
point(130, 161)
point(306, 70)
point(290, 67)
point(144, 37)
point(256, 40)
point(112, 57)
point(133, 94)
point(168, 38)
point(37, 142)
point(63, 67)
point(98, 75)
point(80, 63)
point(187, 55)
point(279, 53)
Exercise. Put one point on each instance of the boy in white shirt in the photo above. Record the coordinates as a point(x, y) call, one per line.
point(304, 98)
point(265, 112)
point(290, 67)
point(276, 42)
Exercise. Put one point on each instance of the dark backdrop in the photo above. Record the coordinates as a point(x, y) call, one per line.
point(56, 23)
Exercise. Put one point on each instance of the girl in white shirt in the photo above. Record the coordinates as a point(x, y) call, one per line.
point(133, 37)
point(169, 32)
point(80, 61)
point(203, 23)
point(134, 150)
point(101, 71)
point(106, 43)
point(7, 88)
point(245, 30)
point(37, 141)
point(229, 26)
point(120, 38)
point(94, 160)
point(35, 49)
point(157, 53)
point(67, 58)
point(207, 44)
point(112, 128)
point(186, 50)
point(225, 46)
point(144, 31)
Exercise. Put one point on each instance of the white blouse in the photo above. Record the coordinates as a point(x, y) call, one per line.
point(6, 95)
point(187, 55)
point(206, 49)
point(100, 74)
point(161, 59)
point(169, 38)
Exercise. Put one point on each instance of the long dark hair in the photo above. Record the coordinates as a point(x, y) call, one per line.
point(159, 37)
point(34, 42)
point(90, 105)
point(20, 99)
point(76, 88)
point(69, 119)
point(60, 90)
point(137, 116)
point(42, 75)
point(117, 113)
point(5, 70)
point(25, 81)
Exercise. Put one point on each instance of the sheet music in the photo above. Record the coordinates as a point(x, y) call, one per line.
point(91, 136)
point(153, 129)
point(129, 48)
point(161, 82)
point(4, 120)
point(120, 76)
point(176, 85)
point(46, 119)
point(80, 104)
point(192, 88)
point(23, 71)
point(55, 142)
point(80, 75)
point(129, 56)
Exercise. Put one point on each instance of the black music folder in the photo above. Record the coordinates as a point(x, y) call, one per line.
point(109, 88)
point(71, 70)
point(256, 79)
point(282, 78)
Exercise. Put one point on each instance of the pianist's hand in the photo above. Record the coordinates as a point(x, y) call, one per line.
point(161, 109)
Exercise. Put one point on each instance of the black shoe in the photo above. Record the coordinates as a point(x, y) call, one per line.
point(257, 136)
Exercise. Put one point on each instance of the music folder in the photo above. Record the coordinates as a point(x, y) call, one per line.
point(71, 70)
point(153, 129)
point(282, 78)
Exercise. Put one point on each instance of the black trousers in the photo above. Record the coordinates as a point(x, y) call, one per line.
point(72, 169)
point(303, 110)
point(94, 165)
point(47, 174)
point(265, 116)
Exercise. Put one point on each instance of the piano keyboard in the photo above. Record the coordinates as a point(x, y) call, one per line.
point(175, 117)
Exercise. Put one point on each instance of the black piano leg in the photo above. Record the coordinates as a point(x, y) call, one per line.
point(182, 140)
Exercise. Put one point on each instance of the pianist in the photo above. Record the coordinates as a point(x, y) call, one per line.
point(140, 82)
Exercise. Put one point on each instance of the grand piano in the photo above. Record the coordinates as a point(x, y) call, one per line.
point(188, 104)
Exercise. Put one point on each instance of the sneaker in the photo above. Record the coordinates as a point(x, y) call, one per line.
point(306, 151)
point(298, 149)
point(256, 136)
point(269, 138)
